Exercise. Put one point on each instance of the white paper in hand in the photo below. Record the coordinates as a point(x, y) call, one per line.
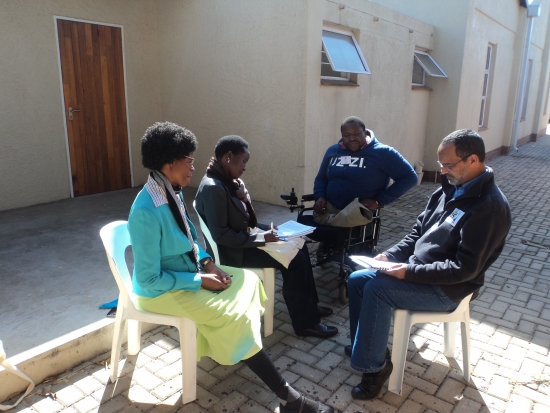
point(368, 262)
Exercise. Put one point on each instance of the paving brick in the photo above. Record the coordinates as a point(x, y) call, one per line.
point(229, 403)
point(500, 387)
point(204, 398)
point(308, 372)
point(411, 407)
point(301, 356)
point(335, 378)
point(69, 395)
point(518, 404)
point(465, 405)
point(114, 405)
point(430, 402)
point(88, 384)
point(86, 404)
point(167, 388)
point(450, 391)
point(250, 406)
point(146, 379)
point(146, 401)
point(260, 394)
point(152, 350)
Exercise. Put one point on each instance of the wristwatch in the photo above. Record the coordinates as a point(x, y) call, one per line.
point(205, 261)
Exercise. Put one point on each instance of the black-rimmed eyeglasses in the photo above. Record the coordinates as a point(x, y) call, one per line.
point(449, 167)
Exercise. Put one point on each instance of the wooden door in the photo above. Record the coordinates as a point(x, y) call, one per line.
point(95, 105)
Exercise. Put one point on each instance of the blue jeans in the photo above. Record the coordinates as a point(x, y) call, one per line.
point(372, 296)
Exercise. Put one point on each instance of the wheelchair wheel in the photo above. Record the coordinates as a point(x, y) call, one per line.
point(321, 254)
point(343, 292)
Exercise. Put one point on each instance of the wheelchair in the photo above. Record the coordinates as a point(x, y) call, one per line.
point(336, 244)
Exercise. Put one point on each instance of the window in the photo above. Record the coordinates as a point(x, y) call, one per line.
point(487, 86)
point(526, 90)
point(341, 55)
point(425, 64)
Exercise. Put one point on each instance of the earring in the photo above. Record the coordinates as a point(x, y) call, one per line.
point(228, 160)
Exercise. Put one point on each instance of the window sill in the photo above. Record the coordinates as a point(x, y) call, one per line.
point(334, 82)
point(418, 87)
point(482, 128)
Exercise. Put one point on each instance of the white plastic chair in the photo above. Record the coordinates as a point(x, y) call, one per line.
point(267, 275)
point(402, 323)
point(116, 239)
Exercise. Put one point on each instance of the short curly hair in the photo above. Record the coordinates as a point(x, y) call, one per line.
point(233, 143)
point(165, 142)
point(352, 119)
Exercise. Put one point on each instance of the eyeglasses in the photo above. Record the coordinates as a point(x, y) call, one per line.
point(192, 160)
point(449, 167)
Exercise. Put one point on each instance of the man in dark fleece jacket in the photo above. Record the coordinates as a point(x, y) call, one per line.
point(443, 260)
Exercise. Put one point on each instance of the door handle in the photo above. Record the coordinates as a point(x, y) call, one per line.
point(71, 110)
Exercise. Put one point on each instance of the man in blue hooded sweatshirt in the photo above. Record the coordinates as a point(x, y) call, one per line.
point(359, 166)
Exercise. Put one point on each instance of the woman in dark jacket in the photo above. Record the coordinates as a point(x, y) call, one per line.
point(223, 202)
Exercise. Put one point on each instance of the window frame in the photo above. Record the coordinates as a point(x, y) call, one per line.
point(487, 77)
point(423, 74)
point(426, 70)
point(347, 75)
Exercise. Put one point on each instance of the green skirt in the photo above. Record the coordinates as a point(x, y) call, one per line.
point(228, 322)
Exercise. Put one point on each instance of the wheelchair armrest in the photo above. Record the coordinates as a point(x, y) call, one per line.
point(308, 198)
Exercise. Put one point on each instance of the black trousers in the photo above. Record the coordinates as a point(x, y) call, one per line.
point(299, 289)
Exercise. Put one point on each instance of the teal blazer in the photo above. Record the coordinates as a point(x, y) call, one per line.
point(161, 250)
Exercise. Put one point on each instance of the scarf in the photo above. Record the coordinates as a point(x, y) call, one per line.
point(215, 169)
point(177, 207)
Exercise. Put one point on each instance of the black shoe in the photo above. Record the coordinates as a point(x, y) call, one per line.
point(307, 405)
point(371, 385)
point(348, 350)
point(319, 330)
point(324, 311)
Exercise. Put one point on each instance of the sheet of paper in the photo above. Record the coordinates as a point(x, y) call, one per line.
point(293, 229)
point(368, 262)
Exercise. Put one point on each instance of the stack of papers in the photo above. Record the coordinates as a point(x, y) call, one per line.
point(368, 262)
point(293, 229)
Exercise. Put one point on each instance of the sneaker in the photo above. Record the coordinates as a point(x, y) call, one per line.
point(371, 385)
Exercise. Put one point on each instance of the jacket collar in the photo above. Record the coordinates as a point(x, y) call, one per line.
point(474, 191)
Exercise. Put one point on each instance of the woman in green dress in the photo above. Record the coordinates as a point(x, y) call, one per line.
point(174, 275)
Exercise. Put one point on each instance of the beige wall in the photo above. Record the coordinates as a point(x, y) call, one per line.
point(383, 99)
point(483, 30)
point(33, 157)
point(239, 67)
point(449, 19)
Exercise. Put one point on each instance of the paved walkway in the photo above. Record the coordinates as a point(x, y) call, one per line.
point(510, 336)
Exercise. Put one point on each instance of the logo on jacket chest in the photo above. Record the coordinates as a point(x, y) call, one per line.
point(351, 161)
point(454, 217)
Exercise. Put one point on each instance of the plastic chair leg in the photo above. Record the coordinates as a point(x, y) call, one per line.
point(134, 337)
point(401, 332)
point(450, 333)
point(465, 330)
point(188, 346)
point(269, 287)
point(117, 342)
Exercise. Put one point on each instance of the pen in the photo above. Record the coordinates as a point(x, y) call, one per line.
point(272, 227)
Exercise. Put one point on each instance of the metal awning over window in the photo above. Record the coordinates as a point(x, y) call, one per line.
point(343, 52)
point(429, 64)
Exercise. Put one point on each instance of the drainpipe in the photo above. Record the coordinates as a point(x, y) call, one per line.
point(533, 10)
